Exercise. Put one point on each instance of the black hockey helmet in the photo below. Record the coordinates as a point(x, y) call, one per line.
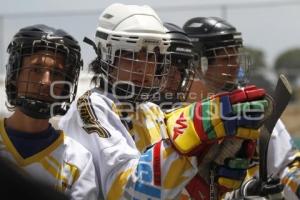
point(211, 32)
point(40, 39)
point(182, 57)
point(213, 39)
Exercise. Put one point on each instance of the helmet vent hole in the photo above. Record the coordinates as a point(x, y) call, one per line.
point(108, 16)
point(131, 41)
point(134, 37)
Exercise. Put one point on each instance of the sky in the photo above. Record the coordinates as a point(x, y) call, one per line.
point(270, 25)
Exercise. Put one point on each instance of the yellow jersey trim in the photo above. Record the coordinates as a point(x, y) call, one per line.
point(34, 158)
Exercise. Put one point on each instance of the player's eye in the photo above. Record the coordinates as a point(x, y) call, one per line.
point(56, 73)
point(128, 54)
point(37, 69)
point(151, 56)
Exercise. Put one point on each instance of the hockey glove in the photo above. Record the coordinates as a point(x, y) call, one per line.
point(233, 114)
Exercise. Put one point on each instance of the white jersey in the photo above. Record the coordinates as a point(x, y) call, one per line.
point(65, 165)
point(125, 173)
point(281, 150)
point(281, 153)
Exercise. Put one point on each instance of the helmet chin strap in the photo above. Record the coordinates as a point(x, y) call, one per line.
point(34, 109)
point(39, 110)
point(35, 115)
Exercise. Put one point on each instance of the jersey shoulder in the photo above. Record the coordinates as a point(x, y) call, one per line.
point(75, 153)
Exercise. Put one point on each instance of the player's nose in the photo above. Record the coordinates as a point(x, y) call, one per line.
point(46, 77)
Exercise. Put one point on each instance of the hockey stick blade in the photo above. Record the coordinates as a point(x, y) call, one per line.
point(281, 98)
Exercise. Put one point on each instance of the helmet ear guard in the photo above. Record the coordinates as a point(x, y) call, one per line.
point(200, 65)
point(204, 64)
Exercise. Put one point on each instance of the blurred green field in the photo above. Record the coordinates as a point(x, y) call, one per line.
point(291, 118)
point(297, 141)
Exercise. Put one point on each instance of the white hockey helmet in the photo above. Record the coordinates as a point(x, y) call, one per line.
point(124, 31)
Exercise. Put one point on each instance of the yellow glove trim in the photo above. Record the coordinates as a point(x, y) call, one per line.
point(247, 133)
point(216, 119)
point(229, 183)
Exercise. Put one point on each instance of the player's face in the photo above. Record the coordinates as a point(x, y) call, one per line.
point(139, 68)
point(38, 72)
point(173, 80)
point(222, 68)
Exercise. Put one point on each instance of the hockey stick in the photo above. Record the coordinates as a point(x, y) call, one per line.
point(281, 97)
point(265, 186)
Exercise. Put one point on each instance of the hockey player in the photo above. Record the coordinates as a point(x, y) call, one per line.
point(219, 44)
point(41, 80)
point(181, 72)
point(174, 94)
point(131, 66)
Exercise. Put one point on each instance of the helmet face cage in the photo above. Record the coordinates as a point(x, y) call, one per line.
point(25, 89)
point(227, 67)
point(223, 63)
point(135, 76)
point(131, 44)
